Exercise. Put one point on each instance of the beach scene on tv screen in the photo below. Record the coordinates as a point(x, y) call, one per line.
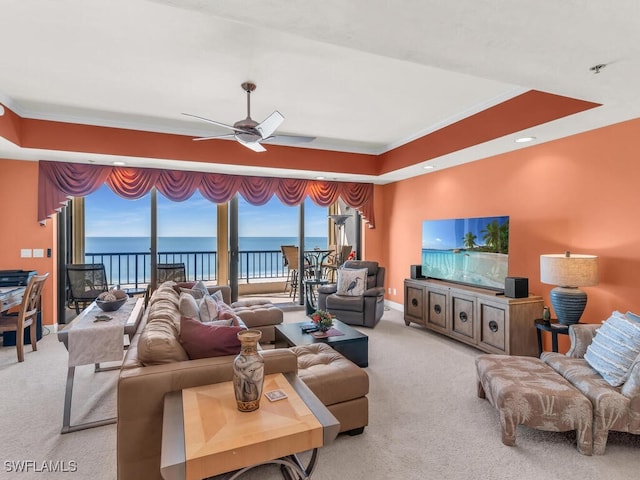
point(474, 251)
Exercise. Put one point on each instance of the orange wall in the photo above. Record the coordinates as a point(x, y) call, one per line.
point(579, 194)
point(18, 198)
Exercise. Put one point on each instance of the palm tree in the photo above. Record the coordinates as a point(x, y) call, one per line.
point(469, 240)
point(491, 236)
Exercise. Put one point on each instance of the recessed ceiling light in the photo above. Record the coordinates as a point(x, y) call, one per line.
point(428, 167)
point(119, 164)
point(525, 139)
point(320, 178)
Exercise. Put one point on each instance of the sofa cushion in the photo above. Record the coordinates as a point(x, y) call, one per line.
point(614, 348)
point(158, 343)
point(330, 376)
point(352, 282)
point(203, 340)
point(257, 313)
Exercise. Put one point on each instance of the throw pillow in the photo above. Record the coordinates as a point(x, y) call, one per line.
point(633, 316)
point(188, 306)
point(352, 281)
point(180, 285)
point(202, 340)
point(208, 309)
point(199, 290)
point(217, 295)
point(225, 312)
point(614, 348)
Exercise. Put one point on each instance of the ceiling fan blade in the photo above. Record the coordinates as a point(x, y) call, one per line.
point(230, 135)
point(270, 124)
point(224, 125)
point(289, 139)
point(255, 146)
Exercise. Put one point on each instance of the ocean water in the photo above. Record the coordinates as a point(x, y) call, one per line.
point(192, 244)
point(473, 268)
point(131, 266)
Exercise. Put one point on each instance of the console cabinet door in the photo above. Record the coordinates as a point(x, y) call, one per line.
point(493, 331)
point(463, 323)
point(437, 313)
point(414, 304)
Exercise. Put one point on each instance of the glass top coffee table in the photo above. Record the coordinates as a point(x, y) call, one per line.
point(351, 344)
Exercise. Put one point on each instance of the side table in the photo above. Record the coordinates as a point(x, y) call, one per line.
point(310, 286)
point(554, 328)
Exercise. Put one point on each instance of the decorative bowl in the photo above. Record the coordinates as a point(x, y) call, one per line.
point(111, 306)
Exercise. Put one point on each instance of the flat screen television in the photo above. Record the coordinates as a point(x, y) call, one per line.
point(470, 251)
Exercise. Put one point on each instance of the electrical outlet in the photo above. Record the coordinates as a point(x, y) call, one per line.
point(394, 291)
point(38, 253)
point(25, 253)
point(389, 290)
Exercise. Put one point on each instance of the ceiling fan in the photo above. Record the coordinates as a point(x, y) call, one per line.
point(250, 133)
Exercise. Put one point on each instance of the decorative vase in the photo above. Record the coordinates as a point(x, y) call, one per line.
point(248, 371)
point(546, 314)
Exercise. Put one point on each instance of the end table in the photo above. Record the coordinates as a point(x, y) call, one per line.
point(554, 328)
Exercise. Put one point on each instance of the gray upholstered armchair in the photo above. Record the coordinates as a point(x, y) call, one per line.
point(365, 310)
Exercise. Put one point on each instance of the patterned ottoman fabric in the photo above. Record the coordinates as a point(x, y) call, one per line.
point(526, 391)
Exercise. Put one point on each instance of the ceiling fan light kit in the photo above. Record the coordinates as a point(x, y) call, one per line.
point(248, 132)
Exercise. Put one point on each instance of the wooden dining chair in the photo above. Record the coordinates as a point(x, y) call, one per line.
point(27, 315)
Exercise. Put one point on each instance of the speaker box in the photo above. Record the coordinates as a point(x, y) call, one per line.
point(416, 271)
point(516, 287)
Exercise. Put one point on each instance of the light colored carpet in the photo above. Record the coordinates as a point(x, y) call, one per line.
point(425, 420)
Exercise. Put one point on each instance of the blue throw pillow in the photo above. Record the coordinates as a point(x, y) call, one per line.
point(633, 316)
point(614, 348)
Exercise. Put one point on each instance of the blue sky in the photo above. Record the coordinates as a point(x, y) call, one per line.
point(449, 233)
point(108, 215)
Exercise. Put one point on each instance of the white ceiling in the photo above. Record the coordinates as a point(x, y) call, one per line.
point(361, 76)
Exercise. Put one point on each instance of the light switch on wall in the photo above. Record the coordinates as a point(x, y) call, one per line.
point(38, 253)
point(25, 253)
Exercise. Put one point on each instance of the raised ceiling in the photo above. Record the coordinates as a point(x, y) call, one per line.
point(360, 76)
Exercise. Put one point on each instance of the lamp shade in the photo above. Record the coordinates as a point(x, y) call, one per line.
point(569, 270)
point(339, 219)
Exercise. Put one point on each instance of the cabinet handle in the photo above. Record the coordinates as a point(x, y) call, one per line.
point(463, 317)
point(493, 326)
point(437, 309)
point(414, 302)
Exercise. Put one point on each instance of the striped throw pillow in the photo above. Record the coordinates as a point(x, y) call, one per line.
point(614, 348)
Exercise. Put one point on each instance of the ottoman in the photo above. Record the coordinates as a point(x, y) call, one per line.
point(526, 391)
point(339, 383)
point(261, 315)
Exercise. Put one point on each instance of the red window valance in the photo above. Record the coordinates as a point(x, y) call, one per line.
point(57, 181)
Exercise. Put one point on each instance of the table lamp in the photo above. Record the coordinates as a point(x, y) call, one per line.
point(569, 271)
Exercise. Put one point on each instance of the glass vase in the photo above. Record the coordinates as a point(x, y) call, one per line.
point(248, 372)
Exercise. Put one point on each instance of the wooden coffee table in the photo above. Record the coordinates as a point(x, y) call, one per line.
point(353, 344)
point(204, 434)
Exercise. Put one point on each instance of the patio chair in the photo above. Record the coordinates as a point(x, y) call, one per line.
point(171, 271)
point(334, 261)
point(27, 316)
point(290, 253)
point(85, 281)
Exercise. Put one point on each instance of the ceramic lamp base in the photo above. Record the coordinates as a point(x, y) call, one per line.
point(568, 303)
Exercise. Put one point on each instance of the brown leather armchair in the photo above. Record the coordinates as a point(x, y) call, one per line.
point(365, 310)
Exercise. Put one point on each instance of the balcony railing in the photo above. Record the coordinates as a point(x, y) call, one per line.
point(133, 269)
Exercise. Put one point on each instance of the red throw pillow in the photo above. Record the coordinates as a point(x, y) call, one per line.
point(225, 312)
point(203, 341)
point(180, 285)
